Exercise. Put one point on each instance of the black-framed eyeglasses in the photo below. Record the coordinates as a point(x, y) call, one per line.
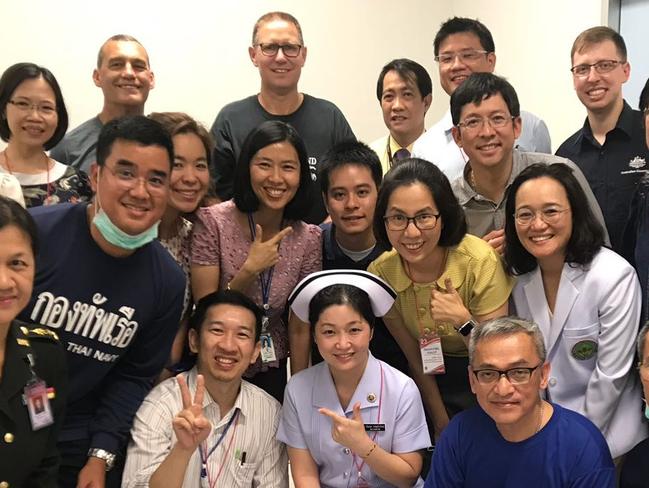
point(271, 49)
point(469, 56)
point(424, 221)
point(497, 121)
point(516, 376)
point(603, 66)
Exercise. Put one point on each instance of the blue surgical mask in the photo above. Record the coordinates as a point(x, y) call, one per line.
point(646, 410)
point(116, 236)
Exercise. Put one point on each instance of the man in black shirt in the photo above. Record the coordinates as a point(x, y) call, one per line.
point(610, 147)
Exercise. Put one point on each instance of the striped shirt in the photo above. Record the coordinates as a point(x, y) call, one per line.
point(265, 461)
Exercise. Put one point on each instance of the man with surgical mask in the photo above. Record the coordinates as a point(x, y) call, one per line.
point(112, 293)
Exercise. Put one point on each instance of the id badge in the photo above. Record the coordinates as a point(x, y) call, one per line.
point(38, 405)
point(267, 348)
point(432, 357)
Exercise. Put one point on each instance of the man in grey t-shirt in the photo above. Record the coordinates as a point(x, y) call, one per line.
point(279, 53)
point(486, 122)
point(125, 77)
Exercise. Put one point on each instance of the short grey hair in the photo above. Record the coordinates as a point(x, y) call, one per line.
point(641, 340)
point(505, 326)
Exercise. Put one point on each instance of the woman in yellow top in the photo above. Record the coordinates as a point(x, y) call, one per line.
point(447, 281)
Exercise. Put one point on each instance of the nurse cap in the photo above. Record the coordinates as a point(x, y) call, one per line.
point(381, 294)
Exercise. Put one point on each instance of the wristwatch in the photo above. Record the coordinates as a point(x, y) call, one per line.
point(108, 457)
point(466, 328)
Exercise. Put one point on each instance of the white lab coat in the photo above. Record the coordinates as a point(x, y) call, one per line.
point(598, 305)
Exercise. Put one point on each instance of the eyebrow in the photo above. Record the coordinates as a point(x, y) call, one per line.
point(521, 363)
point(421, 210)
point(132, 165)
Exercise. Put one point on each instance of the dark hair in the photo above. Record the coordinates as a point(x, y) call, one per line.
point(12, 213)
point(587, 233)
point(273, 16)
point(408, 70)
point(349, 153)
point(596, 35)
point(480, 86)
point(12, 78)
point(133, 128)
point(224, 297)
point(118, 38)
point(350, 295)
point(458, 25)
point(180, 123)
point(415, 170)
point(643, 103)
point(265, 134)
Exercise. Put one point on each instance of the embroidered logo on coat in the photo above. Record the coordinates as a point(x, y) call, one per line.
point(584, 350)
point(637, 163)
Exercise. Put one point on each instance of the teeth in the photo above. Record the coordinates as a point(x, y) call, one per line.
point(225, 360)
point(540, 238)
point(275, 192)
point(489, 147)
point(413, 246)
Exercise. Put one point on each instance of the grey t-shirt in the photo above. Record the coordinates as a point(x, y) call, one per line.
point(78, 147)
point(483, 215)
point(319, 122)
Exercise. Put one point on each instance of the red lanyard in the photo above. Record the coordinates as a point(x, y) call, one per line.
point(360, 466)
point(205, 470)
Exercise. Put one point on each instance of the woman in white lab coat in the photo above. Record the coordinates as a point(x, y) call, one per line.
point(584, 297)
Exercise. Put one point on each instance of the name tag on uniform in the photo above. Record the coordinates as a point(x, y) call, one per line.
point(267, 348)
point(38, 405)
point(432, 357)
point(375, 427)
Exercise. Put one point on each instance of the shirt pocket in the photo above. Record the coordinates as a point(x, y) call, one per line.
point(244, 474)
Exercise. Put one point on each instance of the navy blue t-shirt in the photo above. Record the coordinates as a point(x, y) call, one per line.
point(116, 318)
point(569, 451)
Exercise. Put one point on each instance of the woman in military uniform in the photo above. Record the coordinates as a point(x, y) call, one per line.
point(33, 376)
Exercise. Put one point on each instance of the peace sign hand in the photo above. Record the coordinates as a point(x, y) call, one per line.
point(264, 254)
point(348, 432)
point(447, 306)
point(190, 425)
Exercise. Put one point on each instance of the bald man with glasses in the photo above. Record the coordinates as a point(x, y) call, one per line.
point(278, 51)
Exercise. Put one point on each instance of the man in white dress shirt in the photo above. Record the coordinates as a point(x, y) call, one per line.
point(463, 46)
point(208, 427)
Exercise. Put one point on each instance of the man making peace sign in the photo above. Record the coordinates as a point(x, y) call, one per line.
point(208, 427)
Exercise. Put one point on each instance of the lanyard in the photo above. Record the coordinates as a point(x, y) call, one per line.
point(359, 467)
point(205, 454)
point(266, 276)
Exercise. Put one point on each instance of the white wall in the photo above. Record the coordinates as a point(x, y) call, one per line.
point(634, 15)
point(198, 49)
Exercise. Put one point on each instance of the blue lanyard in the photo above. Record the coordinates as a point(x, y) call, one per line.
point(266, 276)
point(205, 457)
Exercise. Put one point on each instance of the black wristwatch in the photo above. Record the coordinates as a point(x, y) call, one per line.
point(466, 328)
point(108, 457)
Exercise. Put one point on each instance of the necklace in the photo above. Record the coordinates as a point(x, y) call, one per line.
point(538, 427)
point(47, 170)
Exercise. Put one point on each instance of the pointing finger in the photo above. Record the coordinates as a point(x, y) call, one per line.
point(357, 412)
point(328, 413)
point(258, 233)
point(449, 285)
point(281, 234)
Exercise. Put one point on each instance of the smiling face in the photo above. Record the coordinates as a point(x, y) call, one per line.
point(226, 343)
point(275, 175)
point(404, 109)
point(343, 339)
point(190, 174)
point(600, 91)
point(451, 75)
point(279, 73)
point(416, 247)
point(17, 267)
point(486, 146)
point(547, 242)
point(351, 199)
point(514, 408)
point(32, 127)
point(133, 208)
point(124, 75)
